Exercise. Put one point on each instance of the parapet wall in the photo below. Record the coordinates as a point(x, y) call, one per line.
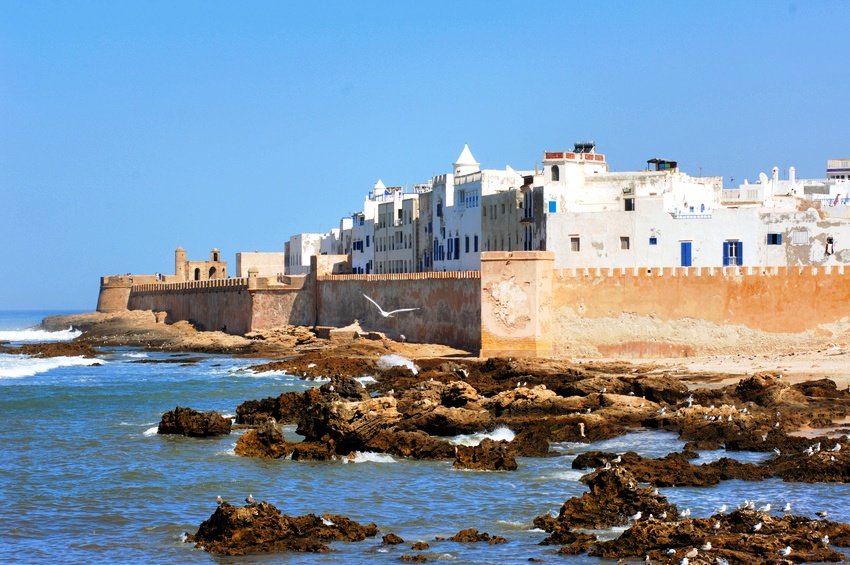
point(772, 299)
point(449, 305)
point(211, 304)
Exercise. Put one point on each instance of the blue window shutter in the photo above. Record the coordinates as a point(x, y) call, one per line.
point(553, 206)
point(740, 250)
point(725, 253)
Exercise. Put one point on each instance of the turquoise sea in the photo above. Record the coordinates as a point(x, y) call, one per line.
point(84, 478)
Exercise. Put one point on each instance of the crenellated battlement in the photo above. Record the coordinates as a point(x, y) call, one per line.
point(744, 271)
point(403, 276)
point(191, 285)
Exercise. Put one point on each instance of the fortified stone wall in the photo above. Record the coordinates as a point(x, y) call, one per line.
point(771, 299)
point(211, 305)
point(449, 305)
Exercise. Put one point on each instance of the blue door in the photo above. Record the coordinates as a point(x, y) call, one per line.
point(686, 253)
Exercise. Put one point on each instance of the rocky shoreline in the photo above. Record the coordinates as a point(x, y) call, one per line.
point(800, 418)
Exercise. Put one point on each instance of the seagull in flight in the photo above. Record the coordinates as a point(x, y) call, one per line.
point(390, 314)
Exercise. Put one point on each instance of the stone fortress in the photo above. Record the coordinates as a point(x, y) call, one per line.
point(569, 260)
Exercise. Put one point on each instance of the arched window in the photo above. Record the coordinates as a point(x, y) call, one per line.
point(212, 272)
point(556, 173)
point(197, 274)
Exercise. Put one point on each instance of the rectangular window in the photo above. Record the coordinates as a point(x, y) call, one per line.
point(457, 248)
point(800, 237)
point(630, 204)
point(733, 253)
point(467, 245)
point(553, 206)
point(475, 244)
point(367, 241)
point(653, 241)
point(624, 243)
point(575, 244)
point(774, 239)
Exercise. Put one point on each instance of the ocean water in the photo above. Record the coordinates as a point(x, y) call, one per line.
point(86, 479)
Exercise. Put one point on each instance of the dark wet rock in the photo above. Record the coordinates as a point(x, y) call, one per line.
point(420, 546)
point(391, 539)
point(192, 423)
point(614, 496)
point(442, 421)
point(734, 539)
point(233, 530)
point(489, 455)
point(572, 543)
point(675, 469)
point(822, 466)
point(531, 442)
point(822, 388)
point(661, 390)
point(417, 445)
point(471, 535)
point(459, 394)
point(350, 425)
point(345, 388)
point(53, 349)
point(287, 408)
point(413, 558)
point(535, 401)
point(767, 390)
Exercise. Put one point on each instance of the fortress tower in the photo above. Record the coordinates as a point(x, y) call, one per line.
point(180, 264)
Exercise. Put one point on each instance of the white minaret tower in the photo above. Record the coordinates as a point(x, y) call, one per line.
point(466, 163)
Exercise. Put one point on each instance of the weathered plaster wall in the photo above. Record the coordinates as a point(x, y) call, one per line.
point(779, 299)
point(449, 305)
point(516, 307)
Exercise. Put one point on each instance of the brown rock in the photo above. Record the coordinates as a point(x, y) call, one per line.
point(266, 442)
point(192, 423)
point(391, 539)
point(489, 455)
point(261, 528)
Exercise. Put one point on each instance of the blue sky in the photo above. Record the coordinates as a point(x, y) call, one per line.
point(130, 128)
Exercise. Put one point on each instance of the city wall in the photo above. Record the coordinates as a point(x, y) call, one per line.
point(518, 305)
point(211, 304)
point(449, 305)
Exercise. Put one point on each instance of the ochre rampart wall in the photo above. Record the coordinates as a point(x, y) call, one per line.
point(449, 305)
point(774, 299)
point(211, 305)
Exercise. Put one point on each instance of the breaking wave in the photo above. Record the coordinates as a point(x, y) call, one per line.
point(18, 366)
point(38, 335)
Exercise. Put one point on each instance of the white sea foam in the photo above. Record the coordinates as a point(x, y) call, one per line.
point(366, 379)
point(18, 366)
point(393, 360)
point(369, 457)
point(498, 434)
point(136, 355)
point(34, 334)
point(150, 431)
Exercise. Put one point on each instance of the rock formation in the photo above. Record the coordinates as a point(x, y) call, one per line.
point(192, 423)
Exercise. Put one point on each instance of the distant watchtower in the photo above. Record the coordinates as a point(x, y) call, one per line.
point(180, 264)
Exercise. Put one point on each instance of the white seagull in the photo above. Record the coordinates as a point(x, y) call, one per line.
point(825, 539)
point(785, 551)
point(787, 507)
point(756, 527)
point(218, 499)
point(635, 517)
point(249, 499)
point(391, 313)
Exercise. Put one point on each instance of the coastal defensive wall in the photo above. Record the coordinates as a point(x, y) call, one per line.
point(516, 305)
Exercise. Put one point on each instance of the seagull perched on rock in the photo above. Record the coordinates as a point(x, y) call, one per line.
point(706, 546)
point(785, 551)
point(218, 499)
point(249, 499)
point(822, 514)
point(836, 447)
point(391, 313)
point(635, 517)
point(721, 509)
point(765, 508)
point(756, 527)
point(787, 507)
point(825, 539)
point(692, 553)
point(716, 526)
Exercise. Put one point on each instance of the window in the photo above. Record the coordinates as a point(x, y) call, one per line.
point(575, 244)
point(503, 208)
point(457, 248)
point(556, 173)
point(467, 245)
point(800, 237)
point(624, 243)
point(630, 204)
point(774, 239)
point(653, 241)
point(733, 253)
point(367, 241)
point(553, 206)
point(439, 209)
point(475, 244)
